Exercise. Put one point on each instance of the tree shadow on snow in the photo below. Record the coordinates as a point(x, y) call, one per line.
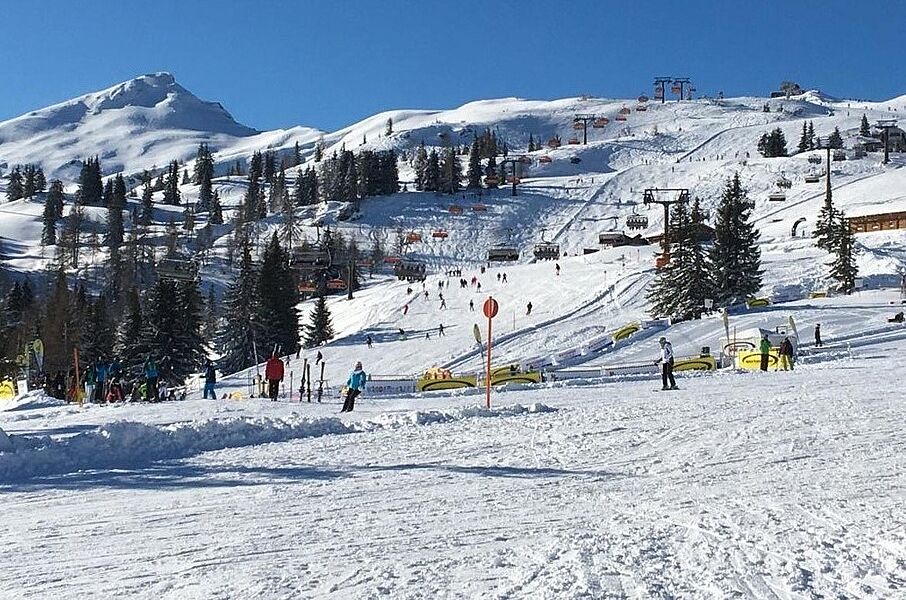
point(176, 475)
point(497, 470)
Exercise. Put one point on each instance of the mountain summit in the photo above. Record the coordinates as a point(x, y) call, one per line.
point(144, 122)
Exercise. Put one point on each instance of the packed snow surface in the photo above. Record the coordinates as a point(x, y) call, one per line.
point(777, 485)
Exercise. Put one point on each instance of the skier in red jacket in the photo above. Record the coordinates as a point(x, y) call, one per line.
point(273, 372)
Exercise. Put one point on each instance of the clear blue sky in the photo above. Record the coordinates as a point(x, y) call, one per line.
point(332, 62)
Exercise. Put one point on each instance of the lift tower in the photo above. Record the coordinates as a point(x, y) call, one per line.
point(886, 125)
point(649, 197)
point(678, 85)
point(660, 88)
point(583, 119)
point(515, 160)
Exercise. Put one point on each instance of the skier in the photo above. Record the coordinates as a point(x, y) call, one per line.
point(369, 341)
point(528, 309)
point(319, 357)
point(818, 335)
point(210, 378)
point(440, 330)
point(498, 277)
point(504, 277)
point(765, 348)
point(161, 390)
point(409, 291)
point(100, 374)
point(402, 334)
point(149, 370)
point(471, 306)
point(557, 268)
point(786, 354)
point(479, 287)
point(443, 303)
point(355, 385)
point(426, 294)
point(666, 362)
point(405, 309)
point(273, 372)
point(115, 391)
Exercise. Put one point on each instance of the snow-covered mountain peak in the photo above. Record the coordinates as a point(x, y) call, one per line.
point(140, 123)
point(146, 90)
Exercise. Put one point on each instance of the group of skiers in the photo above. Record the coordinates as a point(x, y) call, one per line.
point(106, 381)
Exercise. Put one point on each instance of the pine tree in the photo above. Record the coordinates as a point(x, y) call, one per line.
point(811, 136)
point(531, 143)
point(171, 185)
point(189, 345)
point(450, 173)
point(835, 140)
point(216, 210)
point(147, 211)
point(388, 129)
point(804, 143)
point(492, 168)
point(97, 332)
point(203, 176)
point(419, 164)
point(431, 179)
point(53, 212)
point(319, 329)
point(130, 346)
point(69, 241)
point(844, 268)
point(91, 188)
point(185, 177)
point(115, 208)
point(58, 325)
point(40, 180)
point(825, 230)
point(28, 181)
point(681, 286)
point(735, 256)
point(239, 328)
point(14, 188)
point(473, 174)
point(864, 127)
point(172, 330)
point(277, 297)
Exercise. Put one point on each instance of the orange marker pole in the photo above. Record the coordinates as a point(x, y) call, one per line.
point(487, 379)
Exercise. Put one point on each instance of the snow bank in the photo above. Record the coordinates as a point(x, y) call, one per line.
point(34, 399)
point(128, 444)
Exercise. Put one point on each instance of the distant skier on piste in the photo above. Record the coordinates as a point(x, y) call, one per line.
point(666, 361)
point(355, 385)
point(765, 348)
point(786, 354)
point(210, 378)
point(818, 343)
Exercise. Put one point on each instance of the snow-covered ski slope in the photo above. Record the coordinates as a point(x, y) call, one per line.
point(778, 485)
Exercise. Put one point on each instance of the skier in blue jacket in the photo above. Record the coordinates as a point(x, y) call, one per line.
point(355, 385)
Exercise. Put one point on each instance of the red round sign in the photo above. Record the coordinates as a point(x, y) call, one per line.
point(490, 308)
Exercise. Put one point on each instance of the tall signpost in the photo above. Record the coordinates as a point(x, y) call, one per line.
point(490, 310)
